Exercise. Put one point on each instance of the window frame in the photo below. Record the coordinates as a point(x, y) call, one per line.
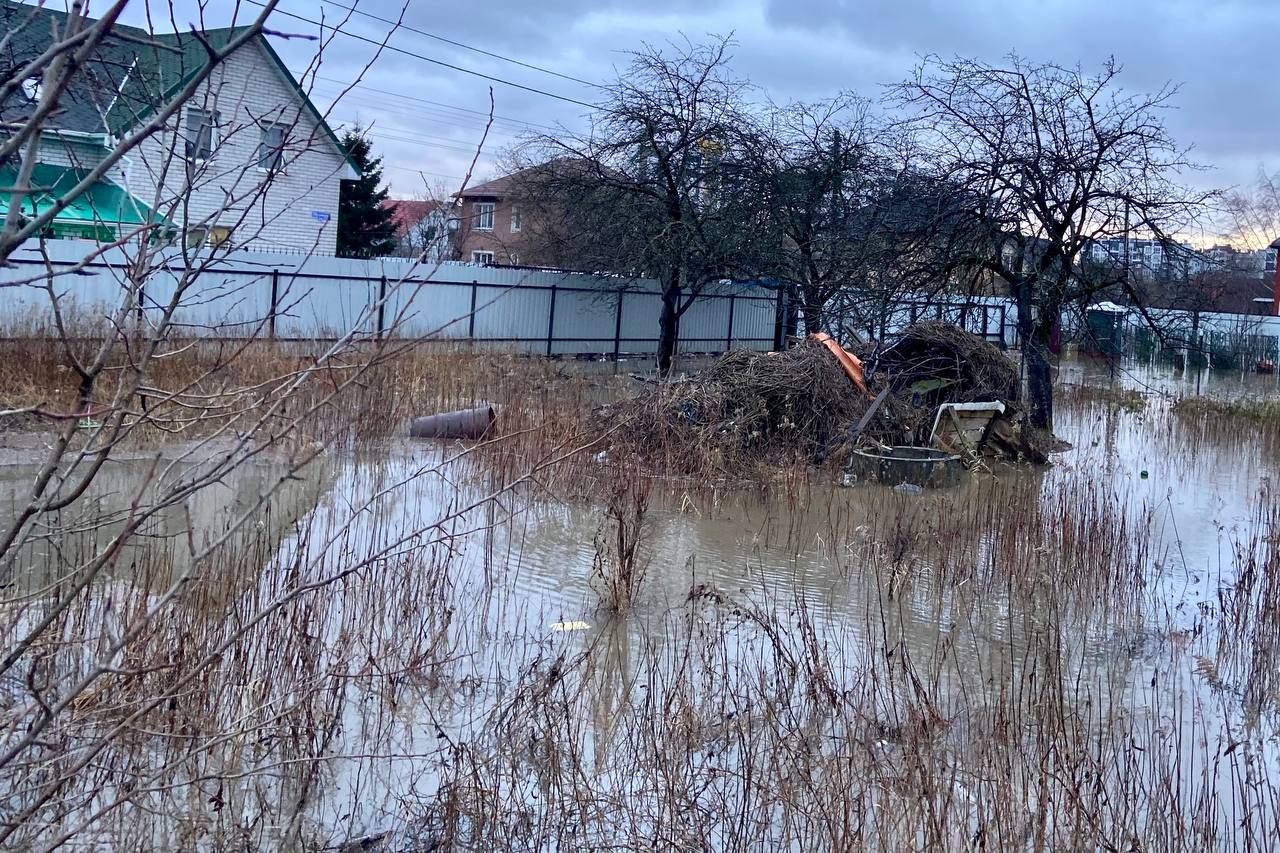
point(515, 219)
point(484, 209)
point(477, 256)
point(192, 146)
point(279, 166)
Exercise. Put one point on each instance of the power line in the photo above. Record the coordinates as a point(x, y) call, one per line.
point(460, 148)
point(480, 116)
point(431, 60)
point(449, 41)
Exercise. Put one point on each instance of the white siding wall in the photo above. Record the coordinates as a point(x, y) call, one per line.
point(70, 151)
point(265, 211)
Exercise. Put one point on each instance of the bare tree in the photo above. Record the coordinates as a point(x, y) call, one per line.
point(1054, 161)
point(655, 187)
point(832, 195)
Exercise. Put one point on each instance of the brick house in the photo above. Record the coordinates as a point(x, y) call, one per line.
point(491, 226)
point(247, 161)
point(517, 219)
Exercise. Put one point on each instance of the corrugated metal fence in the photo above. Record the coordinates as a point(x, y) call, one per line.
point(242, 294)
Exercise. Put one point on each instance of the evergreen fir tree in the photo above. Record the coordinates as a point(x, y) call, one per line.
point(365, 228)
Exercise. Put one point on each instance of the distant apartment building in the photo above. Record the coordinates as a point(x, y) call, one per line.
point(1151, 259)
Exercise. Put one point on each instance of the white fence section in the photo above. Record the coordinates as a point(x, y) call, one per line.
point(994, 318)
point(293, 297)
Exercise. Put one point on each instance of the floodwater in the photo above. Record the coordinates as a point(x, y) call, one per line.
point(439, 619)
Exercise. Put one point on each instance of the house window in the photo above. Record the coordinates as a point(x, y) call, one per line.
point(515, 219)
point(219, 235)
point(482, 257)
point(210, 235)
point(201, 133)
point(515, 259)
point(271, 148)
point(484, 216)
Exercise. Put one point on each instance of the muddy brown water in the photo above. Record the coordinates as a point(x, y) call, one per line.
point(519, 573)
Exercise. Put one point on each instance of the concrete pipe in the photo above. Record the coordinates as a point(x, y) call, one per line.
point(465, 423)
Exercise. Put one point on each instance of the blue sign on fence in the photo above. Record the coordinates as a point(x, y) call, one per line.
point(320, 215)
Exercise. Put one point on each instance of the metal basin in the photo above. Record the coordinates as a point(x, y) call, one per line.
point(919, 466)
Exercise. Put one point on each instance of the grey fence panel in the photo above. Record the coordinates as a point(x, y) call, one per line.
point(639, 332)
point(325, 308)
point(214, 303)
point(754, 321)
point(704, 327)
point(585, 321)
point(431, 309)
point(517, 316)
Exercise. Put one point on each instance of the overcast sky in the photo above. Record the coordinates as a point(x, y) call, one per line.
point(426, 119)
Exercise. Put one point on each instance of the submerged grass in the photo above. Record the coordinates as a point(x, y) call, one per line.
point(1254, 409)
point(988, 668)
point(1128, 399)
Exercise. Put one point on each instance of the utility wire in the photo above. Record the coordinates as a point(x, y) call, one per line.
point(462, 45)
point(429, 59)
point(481, 114)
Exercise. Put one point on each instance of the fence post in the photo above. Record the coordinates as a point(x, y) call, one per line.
point(275, 300)
point(617, 327)
point(471, 317)
point(551, 321)
point(382, 305)
point(728, 337)
point(779, 320)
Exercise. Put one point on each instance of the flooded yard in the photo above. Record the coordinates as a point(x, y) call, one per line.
point(409, 648)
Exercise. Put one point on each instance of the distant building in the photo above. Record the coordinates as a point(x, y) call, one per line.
point(423, 229)
point(1153, 259)
point(517, 219)
point(491, 223)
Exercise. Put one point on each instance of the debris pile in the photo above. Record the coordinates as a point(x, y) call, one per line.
point(746, 407)
point(749, 407)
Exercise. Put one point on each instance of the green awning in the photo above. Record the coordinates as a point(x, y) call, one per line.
point(101, 212)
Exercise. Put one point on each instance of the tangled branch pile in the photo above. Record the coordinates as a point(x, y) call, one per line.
point(751, 408)
point(968, 368)
point(745, 408)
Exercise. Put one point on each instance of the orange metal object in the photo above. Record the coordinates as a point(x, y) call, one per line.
point(851, 363)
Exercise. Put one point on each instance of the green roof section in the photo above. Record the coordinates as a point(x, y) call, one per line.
point(100, 212)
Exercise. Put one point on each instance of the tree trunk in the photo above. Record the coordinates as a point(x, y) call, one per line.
point(813, 313)
point(669, 327)
point(1035, 355)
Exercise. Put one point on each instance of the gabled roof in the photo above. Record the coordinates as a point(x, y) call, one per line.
point(132, 72)
point(497, 188)
point(29, 32)
point(507, 184)
point(408, 212)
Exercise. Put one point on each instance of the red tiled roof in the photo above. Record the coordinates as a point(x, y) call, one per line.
point(408, 212)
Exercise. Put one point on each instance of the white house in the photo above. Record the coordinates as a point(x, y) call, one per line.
point(247, 161)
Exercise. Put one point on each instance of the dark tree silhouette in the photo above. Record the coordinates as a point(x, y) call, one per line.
point(365, 227)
